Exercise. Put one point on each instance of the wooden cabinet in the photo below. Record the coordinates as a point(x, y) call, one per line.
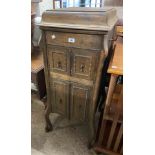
point(75, 43)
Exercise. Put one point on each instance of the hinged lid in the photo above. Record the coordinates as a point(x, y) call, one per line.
point(80, 18)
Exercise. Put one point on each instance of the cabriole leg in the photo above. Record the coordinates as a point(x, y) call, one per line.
point(48, 126)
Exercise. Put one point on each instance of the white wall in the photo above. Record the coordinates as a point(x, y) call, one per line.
point(118, 4)
point(45, 5)
point(39, 8)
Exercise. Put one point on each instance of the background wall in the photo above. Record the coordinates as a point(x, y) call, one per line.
point(45, 5)
point(40, 7)
point(113, 2)
point(118, 4)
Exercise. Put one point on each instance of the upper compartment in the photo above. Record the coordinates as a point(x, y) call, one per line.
point(80, 18)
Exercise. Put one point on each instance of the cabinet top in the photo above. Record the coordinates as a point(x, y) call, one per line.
point(80, 18)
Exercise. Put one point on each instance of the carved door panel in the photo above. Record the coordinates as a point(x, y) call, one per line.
point(84, 63)
point(59, 59)
point(79, 103)
point(60, 97)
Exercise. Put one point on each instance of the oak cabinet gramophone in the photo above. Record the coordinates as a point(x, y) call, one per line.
point(75, 43)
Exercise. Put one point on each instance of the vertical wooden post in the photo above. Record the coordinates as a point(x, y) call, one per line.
point(113, 127)
point(118, 138)
point(112, 84)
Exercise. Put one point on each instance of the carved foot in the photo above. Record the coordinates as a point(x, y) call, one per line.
point(91, 144)
point(48, 128)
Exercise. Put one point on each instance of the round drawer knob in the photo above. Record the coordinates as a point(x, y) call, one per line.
point(53, 36)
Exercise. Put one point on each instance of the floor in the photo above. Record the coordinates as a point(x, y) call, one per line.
point(63, 140)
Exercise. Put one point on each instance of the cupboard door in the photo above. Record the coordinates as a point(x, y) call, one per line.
point(60, 99)
point(79, 103)
point(58, 58)
point(84, 63)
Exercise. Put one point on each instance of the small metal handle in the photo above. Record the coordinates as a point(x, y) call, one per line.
point(59, 65)
point(82, 67)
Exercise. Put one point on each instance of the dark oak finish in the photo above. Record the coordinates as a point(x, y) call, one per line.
point(74, 54)
point(74, 40)
point(59, 60)
point(60, 96)
point(84, 63)
point(110, 138)
point(80, 96)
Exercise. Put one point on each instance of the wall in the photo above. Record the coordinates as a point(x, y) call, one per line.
point(118, 4)
point(113, 2)
point(39, 8)
point(45, 5)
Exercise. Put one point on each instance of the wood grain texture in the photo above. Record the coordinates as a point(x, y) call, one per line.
point(94, 99)
point(109, 152)
point(71, 79)
point(48, 109)
point(60, 96)
point(118, 138)
point(113, 127)
point(80, 40)
point(74, 56)
point(101, 134)
point(116, 64)
point(84, 63)
point(36, 61)
point(119, 30)
point(111, 142)
point(111, 88)
point(86, 18)
point(59, 59)
point(80, 97)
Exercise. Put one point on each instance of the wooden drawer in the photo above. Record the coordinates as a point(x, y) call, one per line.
point(79, 102)
point(74, 40)
point(84, 63)
point(60, 97)
point(59, 59)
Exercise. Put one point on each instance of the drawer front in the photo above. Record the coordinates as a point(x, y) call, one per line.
point(79, 103)
point(60, 94)
point(84, 63)
point(74, 40)
point(58, 59)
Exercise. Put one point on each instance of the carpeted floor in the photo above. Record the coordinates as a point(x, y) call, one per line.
point(63, 140)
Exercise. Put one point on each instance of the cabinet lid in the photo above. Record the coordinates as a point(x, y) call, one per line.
point(80, 18)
